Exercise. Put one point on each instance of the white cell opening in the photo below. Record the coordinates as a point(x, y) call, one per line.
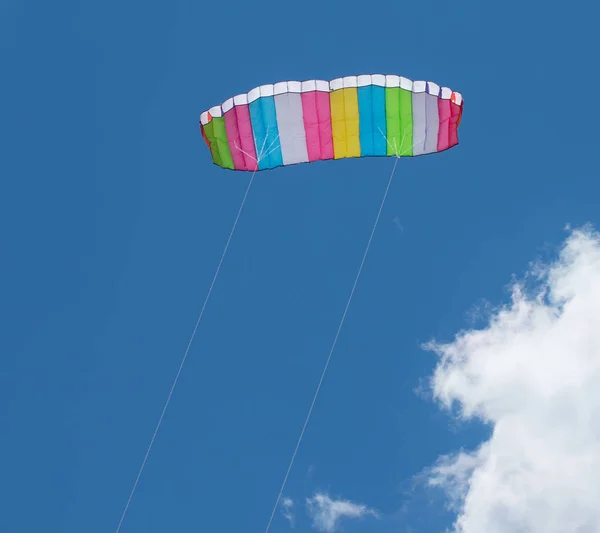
point(336, 84)
point(364, 80)
point(294, 87)
point(406, 84)
point(419, 86)
point(391, 80)
point(280, 88)
point(240, 99)
point(309, 86)
point(378, 79)
point(227, 105)
point(350, 82)
point(433, 88)
point(266, 90)
point(323, 86)
point(254, 95)
point(216, 111)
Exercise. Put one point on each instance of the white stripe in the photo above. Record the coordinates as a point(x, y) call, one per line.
point(405, 83)
point(266, 90)
point(364, 80)
point(227, 105)
point(280, 88)
point(419, 86)
point(336, 84)
point(253, 95)
point(390, 80)
point(433, 88)
point(446, 93)
point(216, 111)
point(378, 79)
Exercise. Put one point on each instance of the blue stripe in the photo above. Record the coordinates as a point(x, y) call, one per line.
point(266, 133)
point(365, 111)
point(371, 107)
point(379, 121)
point(258, 127)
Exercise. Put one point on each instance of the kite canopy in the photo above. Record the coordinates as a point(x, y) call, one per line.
point(356, 116)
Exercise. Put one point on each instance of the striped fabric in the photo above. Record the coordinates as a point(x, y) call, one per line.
point(357, 116)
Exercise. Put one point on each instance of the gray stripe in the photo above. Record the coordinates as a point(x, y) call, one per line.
point(290, 123)
point(433, 123)
point(419, 122)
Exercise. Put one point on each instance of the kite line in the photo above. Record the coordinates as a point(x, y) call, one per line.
point(335, 340)
point(187, 350)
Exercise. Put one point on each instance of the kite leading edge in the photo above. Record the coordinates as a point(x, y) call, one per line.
point(357, 116)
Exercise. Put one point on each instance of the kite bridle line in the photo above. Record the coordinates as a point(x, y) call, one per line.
point(270, 149)
point(187, 350)
point(339, 329)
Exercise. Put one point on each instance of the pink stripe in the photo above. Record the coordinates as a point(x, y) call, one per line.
point(233, 138)
point(317, 125)
point(325, 135)
point(444, 130)
point(456, 111)
point(311, 125)
point(246, 135)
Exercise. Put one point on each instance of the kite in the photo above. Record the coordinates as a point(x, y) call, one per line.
point(295, 122)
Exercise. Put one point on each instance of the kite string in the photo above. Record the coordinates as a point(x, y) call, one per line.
point(185, 355)
point(335, 340)
point(187, 350)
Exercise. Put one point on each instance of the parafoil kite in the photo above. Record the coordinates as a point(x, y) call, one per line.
point(357, 116)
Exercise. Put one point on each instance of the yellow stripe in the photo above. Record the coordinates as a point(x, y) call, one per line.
point(344, 123)
point(352, 127)
point(338, 123)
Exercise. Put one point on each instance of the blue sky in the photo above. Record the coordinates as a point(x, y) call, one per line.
point(113, 220)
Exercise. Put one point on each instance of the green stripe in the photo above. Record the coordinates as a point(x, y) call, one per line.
point(392, 119)
point(214, 148)
point(406, 123)
point(219, 147)
point(399, 123)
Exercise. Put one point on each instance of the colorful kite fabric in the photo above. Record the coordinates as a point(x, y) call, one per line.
point(357, 116)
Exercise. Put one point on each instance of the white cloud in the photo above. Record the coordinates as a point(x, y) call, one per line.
point(326, 513)
point(533, 375)
point(287, 509)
